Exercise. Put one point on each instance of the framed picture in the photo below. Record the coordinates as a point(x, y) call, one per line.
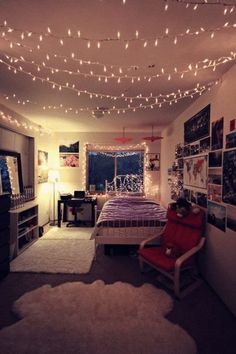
point(216, 215)
point(217, 130)
point(205, 145)
point(152, 162)
point(42, 166)
point(69, 160)
point(215, 176)
point(69, 155)
point(195, 171)
point(214, 192)
point(230, 140)
point(198, 126)
point(215, 159)
point(70, 148)
point(231, 217)
point(229, 177)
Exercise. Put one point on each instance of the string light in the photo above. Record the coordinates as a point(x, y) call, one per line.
point(157, 101)
point(7, 118)
point(142, 147)
point(200, 65)
point(146, 41)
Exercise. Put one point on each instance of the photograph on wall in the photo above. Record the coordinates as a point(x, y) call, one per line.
point(179, 151)
point(186, 194)
point(205, 145)
point(69, 154)
point(214, 192)
point(217, 131)
point(201, 199)
point(216, 215)
point(198, 126)
point(215, 159)
point(69, 160)
point(152, 162)
point(194, 149)
point(215, 176)
point(231, 217)
point(70, 148)
point(180, 163)
point(187, 150)
point(42, 166)
point(195, 171)
point(229, 177)
point(230, 140)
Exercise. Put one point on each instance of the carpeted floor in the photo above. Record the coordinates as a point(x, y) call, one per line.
point(97, 318)
point(202, 314)
point(64, 250)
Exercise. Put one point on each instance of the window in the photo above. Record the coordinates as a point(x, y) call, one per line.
point(123, 171)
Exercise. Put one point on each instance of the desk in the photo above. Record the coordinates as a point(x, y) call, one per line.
point(62, 215)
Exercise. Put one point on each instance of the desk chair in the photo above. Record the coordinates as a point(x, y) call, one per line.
point(75, 205)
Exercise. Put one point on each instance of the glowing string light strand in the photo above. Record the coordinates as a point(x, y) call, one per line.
point(192, 67)
point(154, 40)
point(157, 101)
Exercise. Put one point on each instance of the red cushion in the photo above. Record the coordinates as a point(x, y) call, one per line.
point(185, 232)
point(157, 257)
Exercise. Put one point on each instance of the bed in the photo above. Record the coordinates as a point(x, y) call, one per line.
point(127, 220)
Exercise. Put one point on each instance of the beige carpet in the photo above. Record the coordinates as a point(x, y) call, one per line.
point(58, 251)
point(78, 318)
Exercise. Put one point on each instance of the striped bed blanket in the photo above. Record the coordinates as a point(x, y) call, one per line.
point(130, 212)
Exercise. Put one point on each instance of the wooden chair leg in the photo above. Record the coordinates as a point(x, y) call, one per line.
point(177, 282)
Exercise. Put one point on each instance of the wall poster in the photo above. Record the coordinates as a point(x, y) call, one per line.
point(229, 177)
point(69, 155)
point(42, 166)
point(198, 126)
point(195, 171)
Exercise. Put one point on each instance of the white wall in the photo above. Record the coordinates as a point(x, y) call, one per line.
point(219, 261)
point(73, 178)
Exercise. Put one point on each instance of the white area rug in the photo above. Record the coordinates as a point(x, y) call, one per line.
point(58, 251)
point(95, 318)
point(66, 233)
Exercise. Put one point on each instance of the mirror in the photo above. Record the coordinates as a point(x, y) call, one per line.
point(10, 172)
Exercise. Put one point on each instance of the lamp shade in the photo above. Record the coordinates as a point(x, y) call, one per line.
point(53, 176)
point(123, 139)
point(152, 137)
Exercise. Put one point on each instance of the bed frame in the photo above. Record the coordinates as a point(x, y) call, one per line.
point(122, 233)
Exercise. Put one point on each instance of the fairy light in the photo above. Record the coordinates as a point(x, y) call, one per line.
point(200, 65)
point(8, 119)
point(156, 101)
point(127, 41)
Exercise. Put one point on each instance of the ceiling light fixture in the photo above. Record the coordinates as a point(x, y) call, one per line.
point(152, 138)
point(123, 139)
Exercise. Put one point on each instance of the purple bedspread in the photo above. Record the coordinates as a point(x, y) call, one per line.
point(131, 211)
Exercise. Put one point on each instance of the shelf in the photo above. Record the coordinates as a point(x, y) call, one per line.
point(27, 245)
point(24, 229)
point(27, 231)
point(27, 219)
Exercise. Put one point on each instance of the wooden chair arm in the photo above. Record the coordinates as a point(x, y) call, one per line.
point(188, 254)
point(150, 239)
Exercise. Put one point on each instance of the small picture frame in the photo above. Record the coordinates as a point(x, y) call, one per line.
point(152, 161)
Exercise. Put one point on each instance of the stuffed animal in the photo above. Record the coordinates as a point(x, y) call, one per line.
point(172, 250)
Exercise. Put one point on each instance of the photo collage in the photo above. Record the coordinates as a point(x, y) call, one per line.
point(204, 170)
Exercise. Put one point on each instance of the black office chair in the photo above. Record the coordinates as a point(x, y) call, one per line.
point(75, 206)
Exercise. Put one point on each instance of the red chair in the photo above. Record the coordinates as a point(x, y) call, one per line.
point(179, 242)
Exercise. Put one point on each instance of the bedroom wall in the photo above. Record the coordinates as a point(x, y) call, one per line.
point(218, 261)
point(73, 178)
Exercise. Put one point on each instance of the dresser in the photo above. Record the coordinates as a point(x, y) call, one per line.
point(4, 235)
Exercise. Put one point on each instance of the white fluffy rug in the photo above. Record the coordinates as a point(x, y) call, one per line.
point(56, 256)
point(78, 318)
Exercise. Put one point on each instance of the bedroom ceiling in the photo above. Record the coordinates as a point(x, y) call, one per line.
point(101, 65)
